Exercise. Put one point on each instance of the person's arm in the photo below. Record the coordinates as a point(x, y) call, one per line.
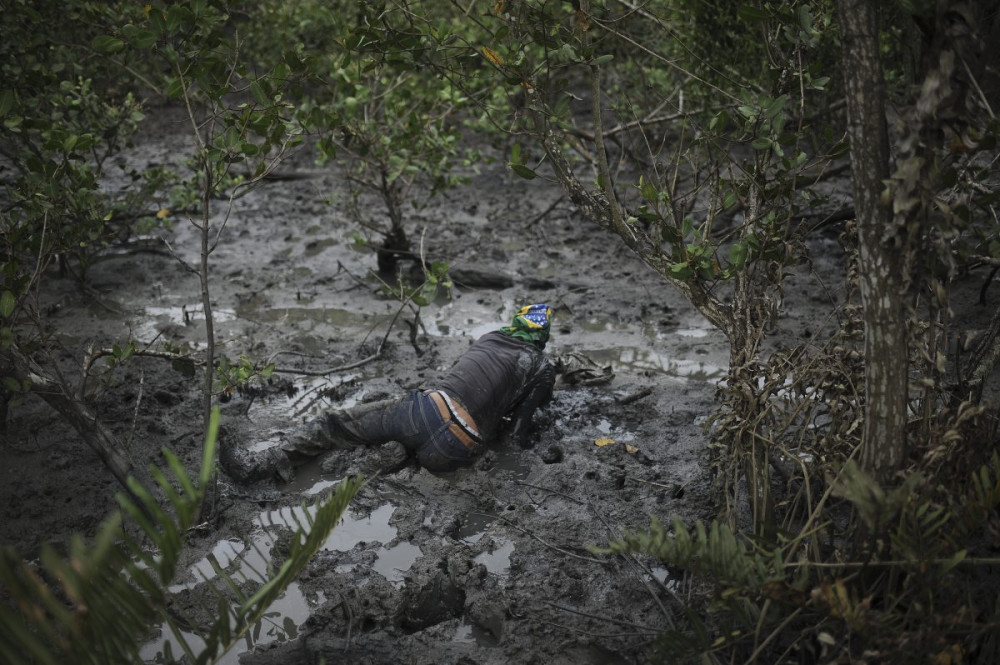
point(538, 393)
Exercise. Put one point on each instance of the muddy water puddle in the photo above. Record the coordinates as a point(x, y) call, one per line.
point(251, 559)
point(638, 360)
point(688, 348)
point(497, 559)
point(467, 633)
point(279, 624)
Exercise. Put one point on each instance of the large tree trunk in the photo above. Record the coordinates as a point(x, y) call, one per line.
point(881, 259)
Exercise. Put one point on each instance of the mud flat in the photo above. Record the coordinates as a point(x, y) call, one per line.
point(486, 565)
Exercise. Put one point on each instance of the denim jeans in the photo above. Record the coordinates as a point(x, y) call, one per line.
point(416, 422)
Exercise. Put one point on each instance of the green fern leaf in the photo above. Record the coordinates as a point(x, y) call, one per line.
point(101, 602)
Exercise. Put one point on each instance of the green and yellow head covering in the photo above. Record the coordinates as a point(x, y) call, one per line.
point(531, 324)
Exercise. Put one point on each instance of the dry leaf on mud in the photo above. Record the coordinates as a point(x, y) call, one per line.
point(603, 441)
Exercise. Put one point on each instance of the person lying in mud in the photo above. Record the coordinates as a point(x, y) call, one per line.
point(448, 424)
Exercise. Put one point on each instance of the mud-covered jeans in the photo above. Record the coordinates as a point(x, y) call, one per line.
point(415, 422)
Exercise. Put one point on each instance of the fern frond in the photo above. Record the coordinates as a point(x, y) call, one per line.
point(877, 508)
point(97, 605)
point(921, 533)
point(985, 495)
point(714, 551)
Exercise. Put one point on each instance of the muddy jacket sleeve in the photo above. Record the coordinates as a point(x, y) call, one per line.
point(537, 393)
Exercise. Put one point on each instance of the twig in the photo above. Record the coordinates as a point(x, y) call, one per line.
point(636, 396)
point(349, 616)
point(639, 123)
point(602, 618)
point(325, 372)
point(660, 485)
point(414, 330)
point(600, 635)
point(774, 634)
point(975, 84)
point(545, 212)
point(162, 355)
point(135, 414)
point(292, 353)
point(550, 491)
point(550, 545)
point(985, 260)
point(360, 282)
point(187, 266)
point(96, 297)
point(41, 250)
point(969, 561)
point(634, 560)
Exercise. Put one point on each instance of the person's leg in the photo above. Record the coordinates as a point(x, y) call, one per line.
point(440, 450)
point(344, 429)
point(388, 421)
point(412, 420)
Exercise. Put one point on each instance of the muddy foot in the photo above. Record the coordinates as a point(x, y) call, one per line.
point(248, 467)
point(387, 458)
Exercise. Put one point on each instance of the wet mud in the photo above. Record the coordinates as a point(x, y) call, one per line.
point(489, 564)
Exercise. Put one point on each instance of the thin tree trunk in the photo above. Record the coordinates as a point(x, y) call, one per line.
point(206, 298)
point(881, 262)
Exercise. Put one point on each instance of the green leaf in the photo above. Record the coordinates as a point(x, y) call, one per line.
point(762, 143)
point(232, 138)
point(208, 455)
point(751, 14)
point(175, 88)
point(523, 171)
point(7, 101)
point(738, 253)
point(7, 304)
point(686, 227)
point(819, 83)
point(805, 18)
point(719, 122)
point(602, 59)
point(681, 271)
point(788, 138)
point(258, 93)
point(648, 189)
point(776, 106)
point(107, 44)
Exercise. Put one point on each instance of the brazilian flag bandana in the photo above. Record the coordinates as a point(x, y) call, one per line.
point(531, 324)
